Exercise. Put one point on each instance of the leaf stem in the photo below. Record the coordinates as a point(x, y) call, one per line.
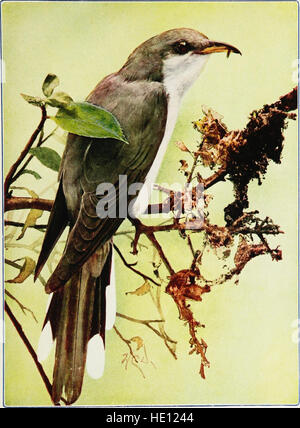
point(40, 142)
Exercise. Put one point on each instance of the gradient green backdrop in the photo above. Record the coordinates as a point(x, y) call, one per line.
point(249, 328)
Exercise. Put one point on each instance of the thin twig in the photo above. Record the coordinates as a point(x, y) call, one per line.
point(19, 224)
point(147, 323)
point(30, 349)
point(21, 306)
point(164, 335)
point(190, 176)
point(127, 343)
point(24, 152)
point(129, 266)
point(40, 142)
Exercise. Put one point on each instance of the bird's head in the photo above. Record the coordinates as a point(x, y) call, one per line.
point(175, 55)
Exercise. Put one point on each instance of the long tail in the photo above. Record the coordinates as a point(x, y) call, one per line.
point(76, 314)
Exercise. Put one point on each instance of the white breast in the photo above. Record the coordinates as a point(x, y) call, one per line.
point(180, 72)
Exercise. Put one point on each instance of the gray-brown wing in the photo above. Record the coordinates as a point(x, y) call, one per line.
point(88, 163)
point(88, 233)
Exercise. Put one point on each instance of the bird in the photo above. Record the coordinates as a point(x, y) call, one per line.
point(145, 97)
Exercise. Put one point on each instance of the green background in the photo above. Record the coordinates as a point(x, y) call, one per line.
point(249, 328)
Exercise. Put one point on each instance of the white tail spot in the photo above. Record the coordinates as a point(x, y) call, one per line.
point(45, 343)
point(95, 360)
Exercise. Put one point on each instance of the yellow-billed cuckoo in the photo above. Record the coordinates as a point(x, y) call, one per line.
point(144, 95)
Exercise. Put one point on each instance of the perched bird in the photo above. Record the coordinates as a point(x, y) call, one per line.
point(144, 95)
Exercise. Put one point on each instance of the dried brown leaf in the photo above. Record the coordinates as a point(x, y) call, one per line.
point(31, 219)
point(182, 146)
point(184, 165)
point(202, 373)
point(142, 290)
point(138, 340)
point(26, 270)
point(33, 214)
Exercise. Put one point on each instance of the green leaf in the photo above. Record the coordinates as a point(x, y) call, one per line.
point(36, 101)
point(50, 83)
point(89, 120)
point(59, 99)
point(29, 171)
point(48, 157)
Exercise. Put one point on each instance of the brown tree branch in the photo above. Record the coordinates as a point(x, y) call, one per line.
point(19, 224)
point(24, 152)
point(149, 232)
point(215, 178)
point(30, 349)
point(22, 203)
point(21, 306)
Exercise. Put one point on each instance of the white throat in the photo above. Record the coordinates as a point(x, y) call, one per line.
point(180, 72)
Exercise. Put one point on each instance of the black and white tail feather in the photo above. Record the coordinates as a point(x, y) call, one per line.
point(77, 313)
point(77, 317)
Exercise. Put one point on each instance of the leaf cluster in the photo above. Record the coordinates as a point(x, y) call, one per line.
point(80, 118)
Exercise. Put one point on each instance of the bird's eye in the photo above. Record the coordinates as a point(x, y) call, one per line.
point(182, 47)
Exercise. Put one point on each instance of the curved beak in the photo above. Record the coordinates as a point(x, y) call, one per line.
point(212, 47)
